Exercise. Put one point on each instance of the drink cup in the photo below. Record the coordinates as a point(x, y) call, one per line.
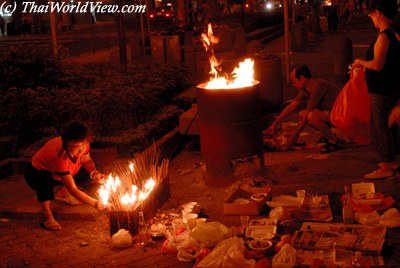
point(186, 211)
point(301, 193)
point(178, 224)
point(244, 221)
point(190, 220)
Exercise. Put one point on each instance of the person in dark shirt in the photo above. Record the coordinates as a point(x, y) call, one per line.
point(382, 64)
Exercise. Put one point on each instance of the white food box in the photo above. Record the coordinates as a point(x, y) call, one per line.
point(286, 201)
point(261, 232)
point(364, 194)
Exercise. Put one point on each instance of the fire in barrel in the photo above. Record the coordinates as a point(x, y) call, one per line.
point(229, 117)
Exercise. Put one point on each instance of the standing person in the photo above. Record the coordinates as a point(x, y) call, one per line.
point(317, 96)
point(25, 24)
point(206, 13)
point(2, 23)
point(56, 164)
point(382, 64)
point(332, 11)
point(301, 10)
point(194, 11)
point(352, 8)
point(344, 13)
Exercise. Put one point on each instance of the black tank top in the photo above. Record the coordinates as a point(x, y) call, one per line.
point(385, 81)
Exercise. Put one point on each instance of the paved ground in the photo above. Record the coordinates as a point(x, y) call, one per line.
point(85, 242)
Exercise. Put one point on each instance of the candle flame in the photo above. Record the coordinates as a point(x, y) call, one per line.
point(133, 198)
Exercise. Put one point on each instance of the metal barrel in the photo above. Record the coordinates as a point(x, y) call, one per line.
point(269, 73)
point(230, 128)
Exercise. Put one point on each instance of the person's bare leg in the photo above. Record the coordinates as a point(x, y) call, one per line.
point(46, 210)
point(320, 121)
point(50, 223)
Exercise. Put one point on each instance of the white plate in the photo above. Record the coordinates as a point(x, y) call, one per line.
point(260, 246)
point(161, 234)
point(261, 232)
point(258, 222)
point(157, 230)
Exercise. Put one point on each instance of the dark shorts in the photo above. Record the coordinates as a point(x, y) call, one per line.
point(42, 182)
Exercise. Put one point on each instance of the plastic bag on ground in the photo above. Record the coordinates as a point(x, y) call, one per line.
point(391, 218)
point(188, 254)
point(285, 258)
point(210, 233)
point(367, 218)
point(181, 242)
point(228, 254)
point(202, 254)
point(121, 239)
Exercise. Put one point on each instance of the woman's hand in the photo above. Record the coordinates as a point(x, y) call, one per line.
point(99, 205)
point(357, 63)
point(97, 176)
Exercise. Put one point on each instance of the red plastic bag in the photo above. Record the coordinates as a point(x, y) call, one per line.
point(351, 111)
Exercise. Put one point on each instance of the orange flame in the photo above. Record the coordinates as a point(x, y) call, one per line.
point(243, 75)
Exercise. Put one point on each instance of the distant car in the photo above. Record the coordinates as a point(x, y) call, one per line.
point(271, 5)
point(250, 6)
point(326, 3)
point(162, 13)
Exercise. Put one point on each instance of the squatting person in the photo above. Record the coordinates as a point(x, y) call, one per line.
point(56, 164)
point(316, 96)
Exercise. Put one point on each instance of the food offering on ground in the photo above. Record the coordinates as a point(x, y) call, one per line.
point(241, 201)
point(286, 201)
point(260, 245)
point(257, 222)
point(285, 239)
point(259, 197)
point(364, 194)
point(157, 230)
point(265, 232)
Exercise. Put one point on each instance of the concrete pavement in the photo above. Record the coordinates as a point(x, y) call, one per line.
point(84, 240)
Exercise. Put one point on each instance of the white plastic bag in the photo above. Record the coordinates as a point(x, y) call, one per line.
point(121, 239)
point(369, 218)
point(285, 258)
point(188, 254)
point(391, 218)
point(183, 240)
point(228, 254)
point(211, 233)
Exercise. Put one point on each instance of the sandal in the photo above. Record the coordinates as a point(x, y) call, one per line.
point(322, 139)
point(331, 147)
point(51, 225)
point(379, 174)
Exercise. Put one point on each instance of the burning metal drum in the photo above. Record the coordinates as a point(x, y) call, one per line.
point(230, 128)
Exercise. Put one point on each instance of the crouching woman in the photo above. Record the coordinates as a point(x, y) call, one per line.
point(56, 164)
